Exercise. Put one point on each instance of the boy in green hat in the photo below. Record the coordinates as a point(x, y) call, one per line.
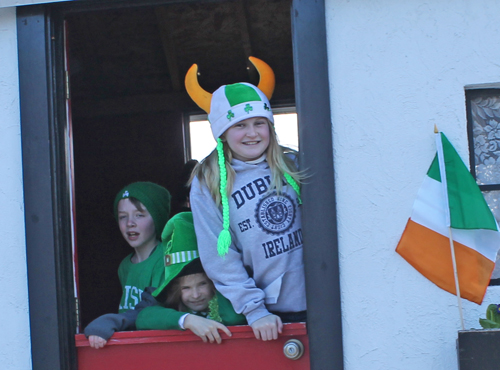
point(142, 210)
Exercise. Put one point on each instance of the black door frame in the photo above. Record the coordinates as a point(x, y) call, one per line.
point(46, 194)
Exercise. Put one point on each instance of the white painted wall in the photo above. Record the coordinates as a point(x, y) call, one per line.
point(396, 69)
point(15, 350)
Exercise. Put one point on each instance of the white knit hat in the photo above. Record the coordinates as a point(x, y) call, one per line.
point(237, 102)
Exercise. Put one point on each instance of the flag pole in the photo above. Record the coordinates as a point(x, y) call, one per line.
point(457, 286)
point(442, 172)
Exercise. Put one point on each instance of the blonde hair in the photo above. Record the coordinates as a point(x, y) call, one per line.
point(208, 170)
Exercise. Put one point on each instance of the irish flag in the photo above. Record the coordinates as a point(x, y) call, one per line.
point(450, 203)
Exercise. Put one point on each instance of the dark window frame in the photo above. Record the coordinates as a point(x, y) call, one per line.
point(472, 92)
point(45, 181)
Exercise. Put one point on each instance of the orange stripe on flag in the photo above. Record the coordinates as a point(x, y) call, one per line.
point(429, 252)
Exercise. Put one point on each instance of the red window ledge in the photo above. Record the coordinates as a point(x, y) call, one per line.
point(179, 350)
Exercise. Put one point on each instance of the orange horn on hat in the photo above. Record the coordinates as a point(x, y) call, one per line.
point(267, 80)
point(196, 92)
point(204, 98)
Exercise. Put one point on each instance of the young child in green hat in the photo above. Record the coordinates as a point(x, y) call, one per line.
point(189, 296)
point(186, 299)
point(142, 210)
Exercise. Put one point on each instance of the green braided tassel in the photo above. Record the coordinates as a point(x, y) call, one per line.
point(294, 185)
point(224, 240)
point(213, 309)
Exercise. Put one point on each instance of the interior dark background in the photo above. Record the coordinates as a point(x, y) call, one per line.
point(128, 104)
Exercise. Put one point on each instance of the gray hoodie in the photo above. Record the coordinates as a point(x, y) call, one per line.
point(263, 270)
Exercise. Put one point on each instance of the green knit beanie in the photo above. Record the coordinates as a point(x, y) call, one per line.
point(155, 198)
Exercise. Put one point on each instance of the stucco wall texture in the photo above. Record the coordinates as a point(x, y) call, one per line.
point(396, 69)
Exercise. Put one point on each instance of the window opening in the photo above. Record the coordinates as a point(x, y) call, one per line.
point(483, 115)
point(201, 142)
point(309, 50)
point(128, 108)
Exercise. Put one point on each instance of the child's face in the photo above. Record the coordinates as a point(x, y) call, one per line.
point(248, 139)
point(136, 226)
point(196, 291)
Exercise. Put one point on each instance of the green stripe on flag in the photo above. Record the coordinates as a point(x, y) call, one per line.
point(468, 209)
point(433, 172)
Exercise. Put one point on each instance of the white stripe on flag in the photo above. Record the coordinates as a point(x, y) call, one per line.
point(429, 211)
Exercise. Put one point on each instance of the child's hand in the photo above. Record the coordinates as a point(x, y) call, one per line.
point(97, 342)
point(206, 329)
point(267, 327)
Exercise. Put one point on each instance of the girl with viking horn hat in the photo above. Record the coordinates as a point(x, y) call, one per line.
point(245, 198)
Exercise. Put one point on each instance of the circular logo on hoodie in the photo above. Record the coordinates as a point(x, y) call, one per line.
point(275, 214)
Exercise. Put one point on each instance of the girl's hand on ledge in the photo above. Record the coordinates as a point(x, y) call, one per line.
point(267, 327)
point(206, 329)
